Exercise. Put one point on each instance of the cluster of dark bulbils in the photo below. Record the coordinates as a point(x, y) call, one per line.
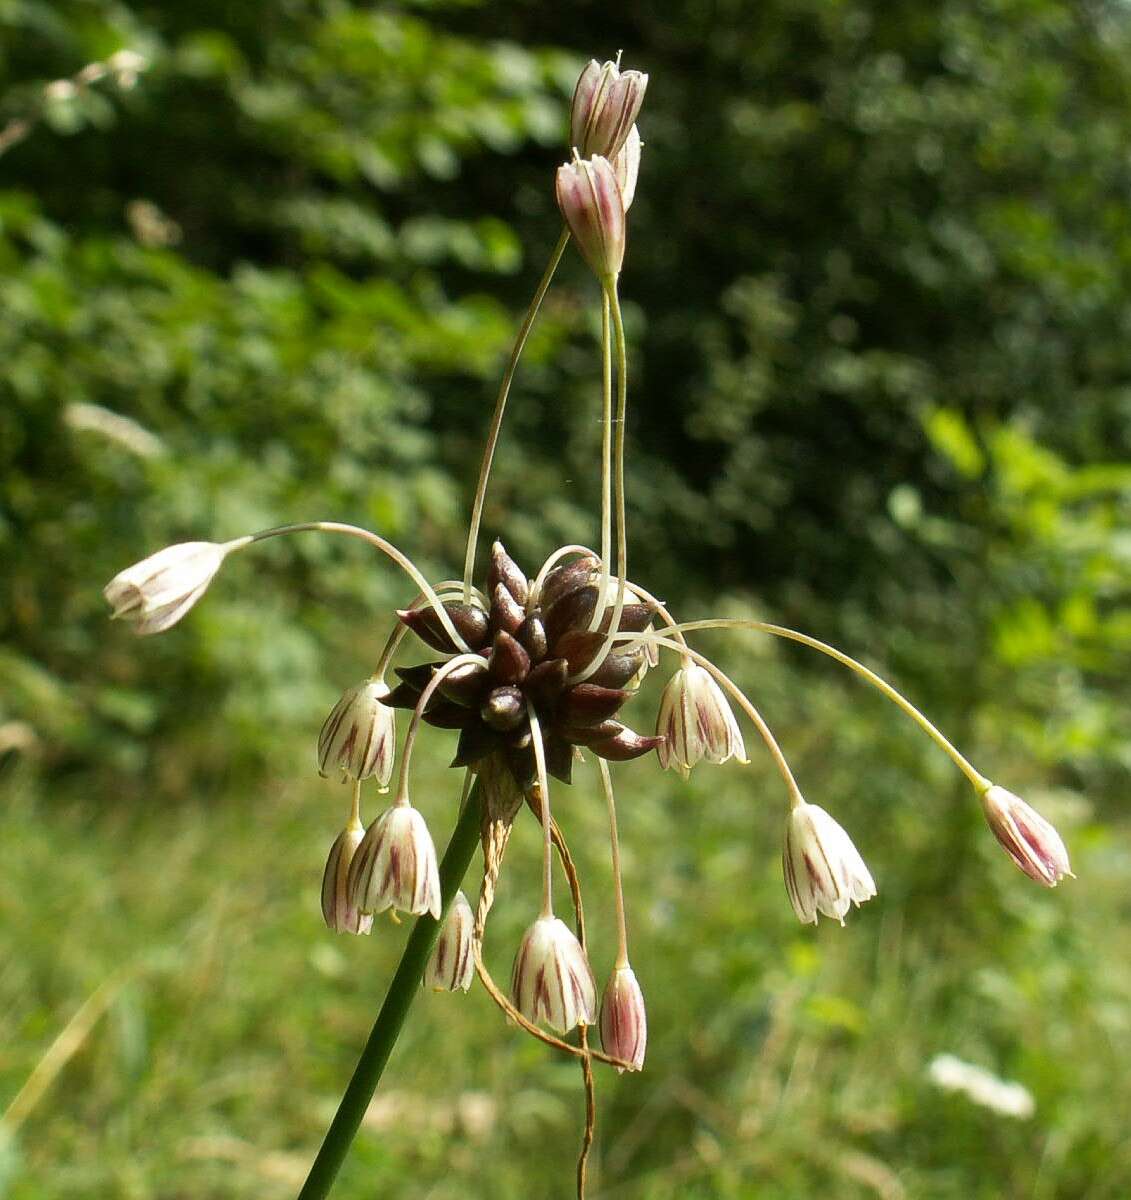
point(532, 643)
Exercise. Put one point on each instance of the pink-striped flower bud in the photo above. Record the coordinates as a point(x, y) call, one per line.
point(552, 980)
point(155, 593)
point(696, 722)
point(1032, 843)
point(823, 869)
point(340, 913)
point(395, 865)
point(606, 103)
point(626, 164)
point(624, 1023)
point(359, 737)
point(591, 202)
point(452, 965)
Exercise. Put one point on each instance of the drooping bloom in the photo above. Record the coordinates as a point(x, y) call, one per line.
point(359, 736)
point(593, 207)
point(606, 102)
point(452, 966)
point(155, 593)
point(624, 1022)
point(340, 913)
point(1032, 843)
point(696, 722)
point(552, 980)
point(395, 865)
point(823, 869)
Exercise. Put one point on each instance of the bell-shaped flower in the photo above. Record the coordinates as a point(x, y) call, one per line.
point(395, 865)
point(1032, 843)
point(155, 593)
point(552, 981)
point(606, 102)
point(593, 207)
point(358, 738)
point(452, 965)
point(823, 869)
point(340, 913)
point(624, 1023)
point(696, 722)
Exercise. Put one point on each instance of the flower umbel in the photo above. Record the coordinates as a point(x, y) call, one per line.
point(823, 869)
point(395, 865)
point(452, 966)
point(552, 981)
point(155, 593)
point(696, 722)
point(1032, 843)
point(624, 1022)
point(358, 738)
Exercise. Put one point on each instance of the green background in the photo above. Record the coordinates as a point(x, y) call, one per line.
point(878, 296)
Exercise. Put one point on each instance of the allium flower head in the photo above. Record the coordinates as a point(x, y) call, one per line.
point(395, 865)
point(696, 722)
point(624, 1022)
point(823, 869)
point(452, 966)
point(590, 198)
point(155, 593)
point(552, 981)
point(358, 738)
point(1032, 843)
point(340, 913)
point(606, 103)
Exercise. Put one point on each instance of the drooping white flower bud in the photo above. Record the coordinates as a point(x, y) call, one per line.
point(696, 722)
point(552, 980)
point(359, 737)
point(606, 102)
point(395, 865)
point(593, 207)
point(823, 869)
point(624, 1023)
point(155, 593)
point(452, 966)
point(341, 915)
point(1032, 843)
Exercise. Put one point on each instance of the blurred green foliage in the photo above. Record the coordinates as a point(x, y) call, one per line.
point(878, 301)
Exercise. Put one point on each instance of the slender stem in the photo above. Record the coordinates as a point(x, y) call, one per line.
point(548, 565)
point(675, 630)
point(438, 677)
point(605, 454)
point(355, 808)
point(500, 409)
point(390, 1020)
point(401, 559)
point(618, 889)
point(795, 796)
point(544, 797)
point(980, 782)
point(447, 589)
point(622, 525)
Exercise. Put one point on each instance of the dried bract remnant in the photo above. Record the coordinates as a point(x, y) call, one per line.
point(824, 872)
point(531, 646)
point(1032, 843)
point(552, 981)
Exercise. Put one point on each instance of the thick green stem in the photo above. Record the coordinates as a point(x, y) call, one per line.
point(390, 1020)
